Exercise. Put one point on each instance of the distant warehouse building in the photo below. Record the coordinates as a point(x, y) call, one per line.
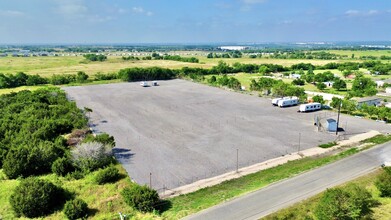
point(233, 47)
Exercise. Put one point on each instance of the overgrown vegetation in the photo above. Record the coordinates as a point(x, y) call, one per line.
point(31, 127)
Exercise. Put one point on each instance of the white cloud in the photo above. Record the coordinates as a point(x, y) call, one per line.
point(11, 13)
point(140, 10)
point(373, 12)
point(352, 12)
point(248, 4)
point(356, 13)
point(71, 8)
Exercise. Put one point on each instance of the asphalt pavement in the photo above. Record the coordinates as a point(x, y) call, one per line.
point(181, 132)
point(285, 193)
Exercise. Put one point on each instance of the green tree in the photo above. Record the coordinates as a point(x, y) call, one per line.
point(263, 69)
point(320, 85)
point(339, 84)
point(335, 102)
point(351, 202)
point(81, 77)
point(363, 86)
point(319, 99)
point(298, 82)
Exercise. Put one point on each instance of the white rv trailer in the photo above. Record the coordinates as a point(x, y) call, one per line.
point(144, 83)
point(288, 101)
point(275, 101)
point(310, 107)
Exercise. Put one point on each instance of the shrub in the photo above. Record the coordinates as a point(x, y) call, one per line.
point(351, 202)
point(141, 198)
point(24, 161)
point(104, 138)
point(75, 209)
point(327, 145)
point(107, 175)
point(77, 174)
point(91, 156)
point(35, 198)
point(383, 183)
point(62, 166)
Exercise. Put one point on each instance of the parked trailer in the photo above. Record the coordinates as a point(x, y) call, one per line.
point(144, 84)
point(288, 101)
point(275, 101)
point(310, 107)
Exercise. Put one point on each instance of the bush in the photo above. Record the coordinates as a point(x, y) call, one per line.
point(77, 174)
point(104, 138)
point(351, 202)
point(107, 175)
point(91, 156)
point(35, 198)
point(141, 198)
point(383, 183)
point(62, 166)
point(75, 209)
point(327, 145)
point(24, 161)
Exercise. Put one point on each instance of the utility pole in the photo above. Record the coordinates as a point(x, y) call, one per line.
point(339, 111)
point(150, 180)
point(237, 160)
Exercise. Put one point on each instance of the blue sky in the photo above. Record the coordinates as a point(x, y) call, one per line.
point(188, 21)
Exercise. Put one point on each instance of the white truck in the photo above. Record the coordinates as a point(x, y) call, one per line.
point(310, 107)
point(288, 101)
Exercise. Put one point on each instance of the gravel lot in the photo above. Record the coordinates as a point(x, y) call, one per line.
point(181, 132)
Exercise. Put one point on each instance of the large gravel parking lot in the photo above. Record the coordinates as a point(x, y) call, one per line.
point(181, 131)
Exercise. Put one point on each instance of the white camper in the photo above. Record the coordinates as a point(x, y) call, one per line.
point(288, 101)
point(275, 101)
point(310, 107)
point(144, 83)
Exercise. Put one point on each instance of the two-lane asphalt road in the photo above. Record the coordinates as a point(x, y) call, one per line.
point(282, 194)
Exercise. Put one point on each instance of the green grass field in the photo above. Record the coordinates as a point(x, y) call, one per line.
point(359, 53)
point(47, 66)
point(304, 209)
